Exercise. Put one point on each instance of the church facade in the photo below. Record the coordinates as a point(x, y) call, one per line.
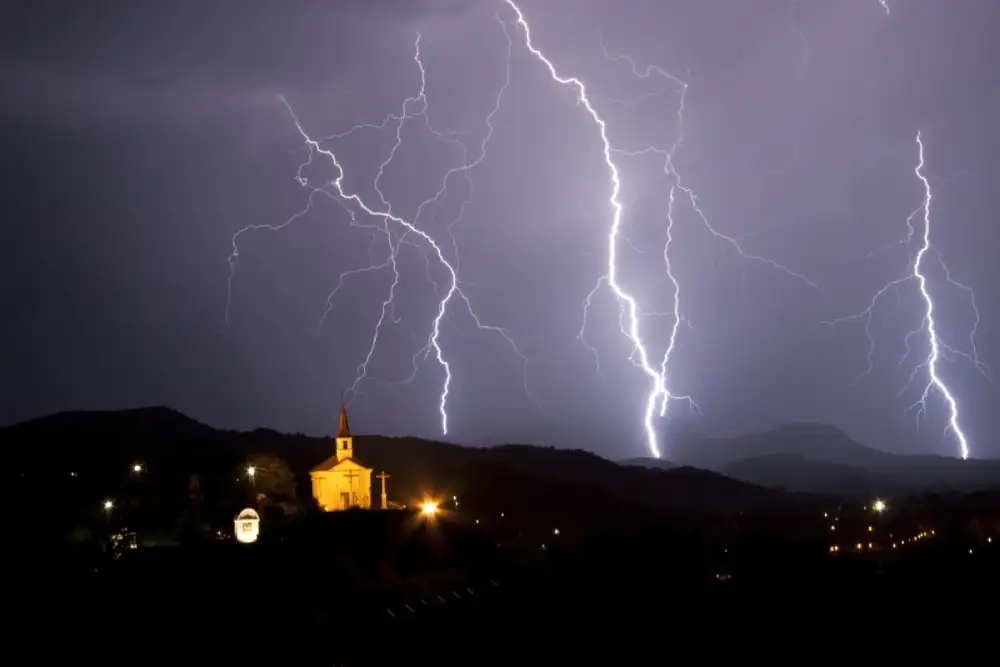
point(341, 482)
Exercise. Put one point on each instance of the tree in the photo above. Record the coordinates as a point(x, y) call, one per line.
point(271, 481)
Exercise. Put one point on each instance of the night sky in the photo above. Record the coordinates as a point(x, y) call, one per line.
point(137, 138)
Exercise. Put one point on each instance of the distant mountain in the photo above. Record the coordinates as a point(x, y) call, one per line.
point(816, 442)
point(138, 421)
point(823, 459)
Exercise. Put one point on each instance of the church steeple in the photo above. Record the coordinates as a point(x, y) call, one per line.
point(345, 443)
point(343, 430)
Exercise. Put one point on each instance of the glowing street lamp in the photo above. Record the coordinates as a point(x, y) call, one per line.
point(137, 468)
point(429, 508)
point(251, 471)
point(108, 506)
point(879, 506)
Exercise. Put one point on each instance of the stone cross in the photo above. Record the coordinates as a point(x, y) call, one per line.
point(384, 476)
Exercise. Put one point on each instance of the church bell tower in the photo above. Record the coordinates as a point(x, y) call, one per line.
point(345, 443)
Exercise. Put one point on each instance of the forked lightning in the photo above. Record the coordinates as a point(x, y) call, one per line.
point(937, 348)
point(659, 393)
point(396, 229)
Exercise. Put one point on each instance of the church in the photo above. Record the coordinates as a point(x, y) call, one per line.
point(341, 482)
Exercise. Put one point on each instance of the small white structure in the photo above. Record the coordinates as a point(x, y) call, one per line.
point(247, 526)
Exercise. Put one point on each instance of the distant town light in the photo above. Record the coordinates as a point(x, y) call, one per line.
point(137, 467)
point(879, 506)
point(555, 531)
point(108, 505)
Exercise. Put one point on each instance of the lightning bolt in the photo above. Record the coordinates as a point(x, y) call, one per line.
point(885, 6)
point(396, 229)
point(937, 347)
point(629, 306)
point(676, 184)
point(630, 312)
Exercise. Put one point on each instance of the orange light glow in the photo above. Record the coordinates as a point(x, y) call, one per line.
point(429, 508)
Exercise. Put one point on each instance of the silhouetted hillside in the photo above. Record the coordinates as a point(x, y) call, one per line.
point(658, 464)
point(795, 473)
point(153, 426)
point(816, 442)
point(98, 449)
point(798, 457)
point(820, 458)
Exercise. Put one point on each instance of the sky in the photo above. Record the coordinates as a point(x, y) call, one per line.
point(138, 138)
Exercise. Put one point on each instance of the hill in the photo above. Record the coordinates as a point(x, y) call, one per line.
point(819, 458)
point(811, 458)
point(657, 464)
point(97, 449)
point(796, 473)
point(816, 442)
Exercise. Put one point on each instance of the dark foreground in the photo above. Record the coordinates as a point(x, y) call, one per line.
point(347, 592)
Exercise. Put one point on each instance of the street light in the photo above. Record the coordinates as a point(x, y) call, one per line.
point(879, 506)
point(429, 508)
point(251, 471)
point(137, 468)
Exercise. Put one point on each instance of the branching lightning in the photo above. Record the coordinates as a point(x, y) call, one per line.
point(630, 308)
point(395, 229)
point(674, 178)
point(392, 230)
point(938, 349)
point(630, 312)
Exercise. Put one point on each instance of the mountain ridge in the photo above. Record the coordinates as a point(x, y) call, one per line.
point(165, 439)
point(798, 457)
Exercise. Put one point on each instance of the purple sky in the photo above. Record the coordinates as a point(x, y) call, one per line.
point(138, 139)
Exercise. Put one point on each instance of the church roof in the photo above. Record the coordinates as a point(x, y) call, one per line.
point(343, 430)
point(332, 462)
